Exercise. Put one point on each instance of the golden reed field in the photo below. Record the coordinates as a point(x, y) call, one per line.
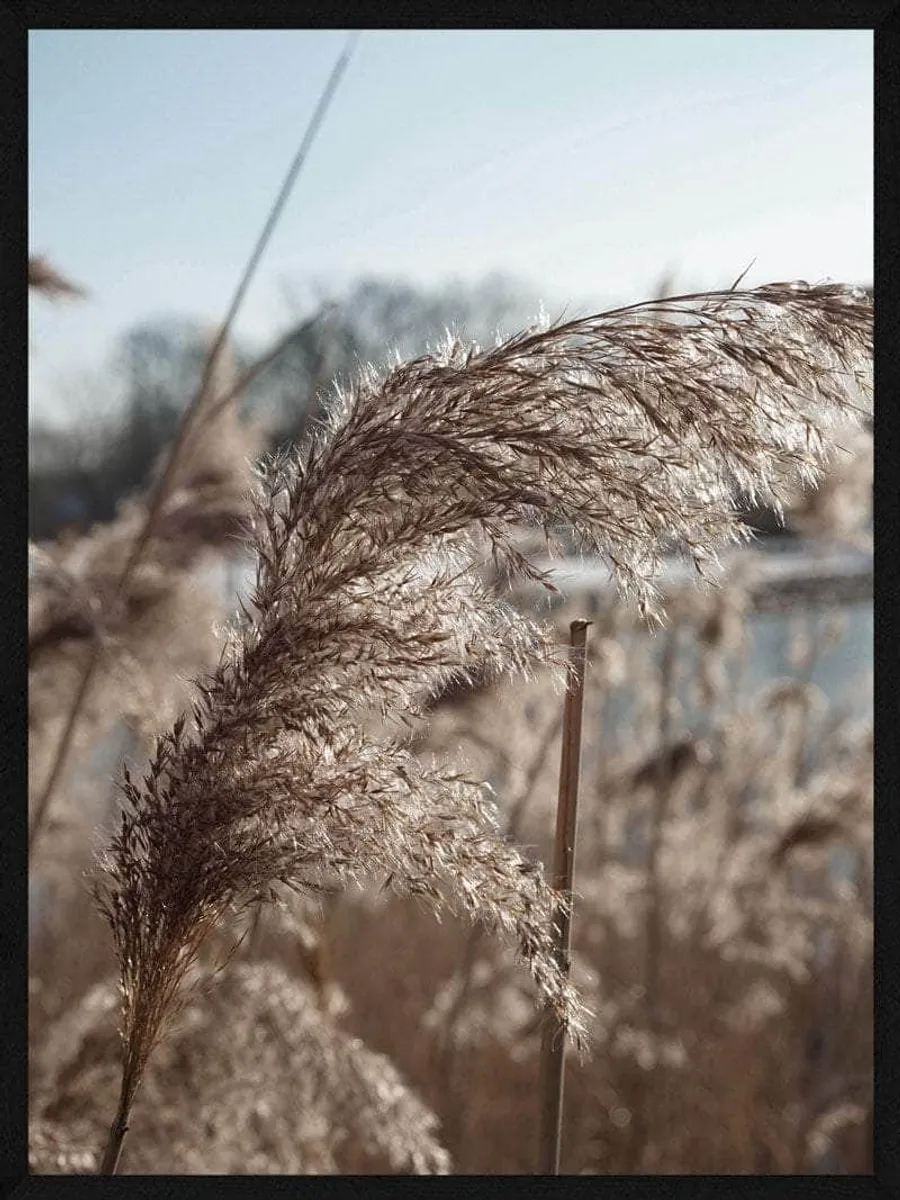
point(291, 902)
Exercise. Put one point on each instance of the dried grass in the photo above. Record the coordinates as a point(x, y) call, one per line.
point(304, 768)
point(630, 430)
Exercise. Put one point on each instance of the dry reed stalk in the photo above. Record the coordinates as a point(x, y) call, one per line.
point(368, 601)
point(190, 425)
point(553, 1041)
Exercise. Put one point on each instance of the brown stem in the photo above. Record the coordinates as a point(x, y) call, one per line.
point(553, 1040)
point(646, 1107)
point(109, 1164)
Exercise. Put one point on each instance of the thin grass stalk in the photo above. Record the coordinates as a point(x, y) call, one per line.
point(260, 364)
point(164, 486)
point(553, 1040)
point(255, 932)
point(325, 351)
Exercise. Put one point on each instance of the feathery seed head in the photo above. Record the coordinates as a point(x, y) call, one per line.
point(637, 430)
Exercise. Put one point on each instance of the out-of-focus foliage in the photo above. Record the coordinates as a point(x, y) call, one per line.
point(80, 471)
point(723, 924)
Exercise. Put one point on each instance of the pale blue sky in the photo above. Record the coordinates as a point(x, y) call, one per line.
point(584, 162)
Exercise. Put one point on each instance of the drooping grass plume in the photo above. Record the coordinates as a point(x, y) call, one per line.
point(636, 432)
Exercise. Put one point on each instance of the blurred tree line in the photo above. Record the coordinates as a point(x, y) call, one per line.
point(79, 472)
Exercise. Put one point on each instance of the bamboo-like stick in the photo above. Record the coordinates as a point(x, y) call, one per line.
point(553, 1041)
